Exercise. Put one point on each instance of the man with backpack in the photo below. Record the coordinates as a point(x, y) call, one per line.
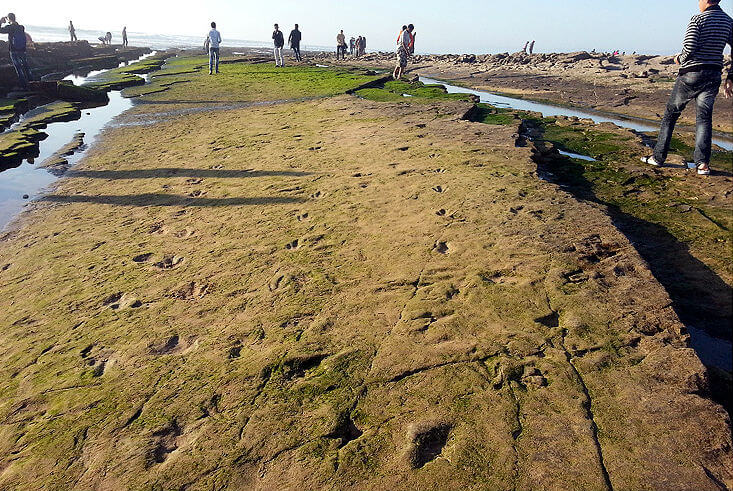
point(279, 40)
point(17, 41)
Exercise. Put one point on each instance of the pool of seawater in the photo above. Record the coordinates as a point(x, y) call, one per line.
point(550, 110)
point(30, 180)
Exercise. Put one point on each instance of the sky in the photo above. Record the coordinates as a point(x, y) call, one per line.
point(442, 26)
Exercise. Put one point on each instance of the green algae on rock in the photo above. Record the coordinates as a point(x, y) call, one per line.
point(336, 293)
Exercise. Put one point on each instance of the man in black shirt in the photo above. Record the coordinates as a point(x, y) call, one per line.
point(17, 41)
point(294, 42)
point(278, 39)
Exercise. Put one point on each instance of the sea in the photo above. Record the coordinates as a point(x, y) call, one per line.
point(45, 34)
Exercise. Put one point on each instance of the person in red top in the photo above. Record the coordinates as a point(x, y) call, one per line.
point(405, 42)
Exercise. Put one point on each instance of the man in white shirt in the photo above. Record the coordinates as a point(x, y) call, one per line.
point(213, 40)
point(404, 45)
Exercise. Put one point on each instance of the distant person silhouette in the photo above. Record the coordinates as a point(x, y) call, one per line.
point(124, 36)
point(352, 45)
point(213, 41)
point(404, 42)
point(531, 47)
point(279, 41)
point(17, 42)
point(525, 47)
point(72, 32)
point(294, 42)
point(108, 38)
point(341, 45)
point(700, 75)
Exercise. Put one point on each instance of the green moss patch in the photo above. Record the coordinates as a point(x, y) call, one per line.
point(399, 90)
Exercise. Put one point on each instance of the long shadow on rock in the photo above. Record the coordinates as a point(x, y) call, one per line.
point(699, 296)
point(180, 172)
point(153, 199)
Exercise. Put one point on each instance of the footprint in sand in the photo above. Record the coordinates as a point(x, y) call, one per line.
point(194, 180)
point(440, 189)
point(158, 229)
point(196, 194)
point(216, 167)
point(169, 262)
point(293, 245)
point(317, 195)
point(185, 233)
point(120, 301)
point(303, 217)
point(441, 247)
point(143, 258)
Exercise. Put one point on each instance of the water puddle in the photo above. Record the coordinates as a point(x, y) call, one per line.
point(548, 110)
point(27, 181)
point(577, 156)
point(712, 351)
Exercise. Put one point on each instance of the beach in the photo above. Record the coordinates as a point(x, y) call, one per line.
point(316, 277)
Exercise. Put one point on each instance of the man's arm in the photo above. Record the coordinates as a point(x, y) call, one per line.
point(692, 38)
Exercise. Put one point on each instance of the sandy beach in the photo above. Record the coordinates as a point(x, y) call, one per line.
point(314, 277)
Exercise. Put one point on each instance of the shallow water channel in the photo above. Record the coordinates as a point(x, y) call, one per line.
point(29, 180)
point(548, 110)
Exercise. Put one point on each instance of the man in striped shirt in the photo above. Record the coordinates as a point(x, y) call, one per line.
point(701, 66)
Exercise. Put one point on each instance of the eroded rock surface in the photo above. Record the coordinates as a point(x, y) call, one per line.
point(495, 334)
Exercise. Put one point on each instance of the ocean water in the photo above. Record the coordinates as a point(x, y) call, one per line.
point(44, 34)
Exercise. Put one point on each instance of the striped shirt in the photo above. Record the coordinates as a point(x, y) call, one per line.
point(705, 41)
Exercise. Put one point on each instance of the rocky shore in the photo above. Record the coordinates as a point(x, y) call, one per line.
point(630, 85)
point(340, 287)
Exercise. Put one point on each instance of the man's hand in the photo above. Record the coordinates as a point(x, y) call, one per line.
point(728, 90)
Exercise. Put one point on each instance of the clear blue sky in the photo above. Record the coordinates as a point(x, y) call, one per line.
point(443, 26)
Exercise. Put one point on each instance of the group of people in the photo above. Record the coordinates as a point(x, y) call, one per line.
point(528, 46)
point(357, 46)
point(278, 39)
point(106, 39)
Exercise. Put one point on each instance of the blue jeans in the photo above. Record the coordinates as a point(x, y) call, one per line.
point(213, 55)
point(20, 62)
point(703, 86)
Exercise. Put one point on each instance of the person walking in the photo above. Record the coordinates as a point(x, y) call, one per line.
point(700, 76)
point(357, 46)
point(124, 36)
point(72, 32)
point(363, 45)
point(17, 42)
point(341, 45)
point(525, 47)
point(352, 45)
point(404, 41)
point(294, 42)
point(531, 47)
point(108, 38)
point(279, 41)
point(213, 43)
